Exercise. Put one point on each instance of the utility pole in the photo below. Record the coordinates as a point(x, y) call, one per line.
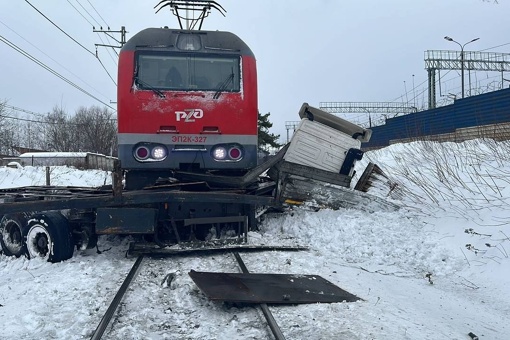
point(109, 33)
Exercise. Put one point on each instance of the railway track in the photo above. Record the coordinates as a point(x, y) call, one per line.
point(159, 300)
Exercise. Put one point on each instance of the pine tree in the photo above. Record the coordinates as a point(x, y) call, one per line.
point(266, 139)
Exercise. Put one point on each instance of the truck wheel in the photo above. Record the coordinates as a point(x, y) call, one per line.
point(49, 237)
point(12, 239)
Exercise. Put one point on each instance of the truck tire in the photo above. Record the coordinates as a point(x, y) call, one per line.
point(49, 237)
point(12, 237)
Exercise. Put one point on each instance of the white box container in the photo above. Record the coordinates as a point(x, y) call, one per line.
point(319, 146)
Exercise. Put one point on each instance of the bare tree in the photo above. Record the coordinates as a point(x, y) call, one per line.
point(7, 131)
point(59, 132)
point(89, 130)
point(96, 130)
point(3, 129)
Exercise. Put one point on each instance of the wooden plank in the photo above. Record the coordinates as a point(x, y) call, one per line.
point(313, 173)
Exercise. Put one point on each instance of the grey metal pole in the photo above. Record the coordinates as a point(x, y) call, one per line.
point(461, 58)
point(462, 68)
point(462, 62)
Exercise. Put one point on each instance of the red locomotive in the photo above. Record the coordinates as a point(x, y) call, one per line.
point(187, 100)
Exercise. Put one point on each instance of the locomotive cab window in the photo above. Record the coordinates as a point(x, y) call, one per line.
point(188, 72)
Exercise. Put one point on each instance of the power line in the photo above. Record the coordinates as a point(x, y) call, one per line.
point(107, 50)
point(109, 75)
point(491, 48)
point(21, 110)
point(46, 122)
point(108, 26)
point(87, 13)
point(86, 49)
point(33, 121)
point(35, 60)
point(87, 20)
point(114, 61)
point(37, 114)
point(98, 14)
point(71, 72)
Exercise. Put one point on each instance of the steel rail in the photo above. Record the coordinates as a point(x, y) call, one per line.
point(116, 300)
point(265, 309)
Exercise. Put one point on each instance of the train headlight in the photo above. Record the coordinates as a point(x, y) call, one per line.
point(158, 153)
point(142, 153)
point(188, 42)
point(148, 152)
point(220, 153)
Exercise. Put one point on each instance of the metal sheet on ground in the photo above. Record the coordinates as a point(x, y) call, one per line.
point(269, 288)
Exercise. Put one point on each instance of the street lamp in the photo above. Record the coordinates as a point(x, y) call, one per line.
point(461, 58)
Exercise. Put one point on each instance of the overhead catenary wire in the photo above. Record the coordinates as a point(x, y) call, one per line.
point(108, 50)
point(55, 61)
point(109, 75)
point(491, 48)
point(87, 12)
point(91, 24)
point(38, 11)
point(14, 108)
point(80, 13)
point(38, 114)
point(35, 121)
point(90, 15)
point(107, 35)
point(83, 16)
point(86, 49)
point(44, 121)
point(35, 60)
point(98, 13)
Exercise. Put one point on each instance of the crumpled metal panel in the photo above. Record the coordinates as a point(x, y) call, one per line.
point(269, 288)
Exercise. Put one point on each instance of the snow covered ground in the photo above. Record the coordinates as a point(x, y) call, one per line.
point(438, 268)
point(59, 175)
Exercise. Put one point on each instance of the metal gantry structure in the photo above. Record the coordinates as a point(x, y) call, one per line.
point(436, 60)
point(386, 109)
point(291, 126)
point(367, 107)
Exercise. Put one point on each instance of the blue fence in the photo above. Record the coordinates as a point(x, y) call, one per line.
point(485, 109)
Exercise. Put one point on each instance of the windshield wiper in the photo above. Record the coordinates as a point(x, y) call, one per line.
point(150, 87)
point(224, 85)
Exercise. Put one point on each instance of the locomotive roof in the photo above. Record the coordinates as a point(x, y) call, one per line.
point(167, 37)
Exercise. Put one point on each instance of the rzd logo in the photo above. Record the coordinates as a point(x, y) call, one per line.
point(189, 115)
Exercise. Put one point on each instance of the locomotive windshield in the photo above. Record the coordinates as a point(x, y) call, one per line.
point(188, 72)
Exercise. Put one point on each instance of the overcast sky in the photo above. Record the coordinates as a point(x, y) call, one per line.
point(307, 51)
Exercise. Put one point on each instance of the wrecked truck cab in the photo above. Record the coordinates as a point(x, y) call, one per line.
point(326, 142)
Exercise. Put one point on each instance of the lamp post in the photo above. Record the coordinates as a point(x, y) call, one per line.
point(461, 58)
